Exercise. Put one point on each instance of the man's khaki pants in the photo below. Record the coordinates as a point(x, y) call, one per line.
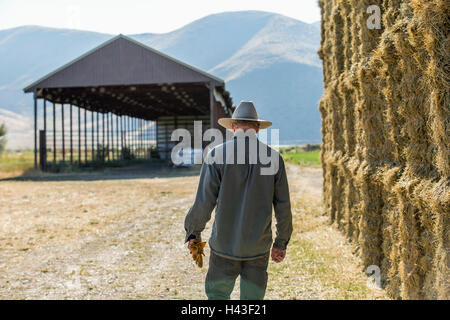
point(222, 274)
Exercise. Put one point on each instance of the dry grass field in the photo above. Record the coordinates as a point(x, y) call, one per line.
point(118, 234)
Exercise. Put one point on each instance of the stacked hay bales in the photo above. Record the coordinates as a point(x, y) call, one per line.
point(385, 127)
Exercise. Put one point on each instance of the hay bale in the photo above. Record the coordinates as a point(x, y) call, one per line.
point(385, 137)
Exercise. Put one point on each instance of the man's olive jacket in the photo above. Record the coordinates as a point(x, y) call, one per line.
point(243, 195)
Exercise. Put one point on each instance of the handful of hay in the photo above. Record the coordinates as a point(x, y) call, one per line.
point(197, 252)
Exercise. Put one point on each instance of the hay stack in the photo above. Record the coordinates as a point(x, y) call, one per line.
point(385, 130)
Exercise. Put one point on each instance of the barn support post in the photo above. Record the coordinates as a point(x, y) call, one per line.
point(114, 134)
point(125, 127)
point(121, 138)
point(166, 143)
point(103, 137)
point(85, 136)
point(107, 136)
point(71, 136)
point(129, 134)
point(143, 139)
point(93, 140)
point(140, 137)
point(54, 133)
point(156, 137)
point(113, 151)
point(152, 137)
point(112, 137)
point(79, 136)
point(45, 127)
point(111, 130)
point(42, 150)
point(146, 138)
point(212, 109)
point(138, 149)
point(149, 138)
point(45, 114)
point(35, 130)
point(175, 122)
point(118, 137)
point(136, 136)
point(98, 137)
point(62, 127)
point(92, 135)
point(125, 142)
point(133, 137)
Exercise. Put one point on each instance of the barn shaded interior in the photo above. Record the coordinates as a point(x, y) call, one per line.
point(119, 101)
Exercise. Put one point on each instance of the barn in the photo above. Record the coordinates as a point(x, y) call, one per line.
point(119, 101)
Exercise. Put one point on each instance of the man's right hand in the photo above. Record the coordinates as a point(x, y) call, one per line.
point(190, 243)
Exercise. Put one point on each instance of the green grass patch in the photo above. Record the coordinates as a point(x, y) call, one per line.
point(302, 158)
point(23, 162)
point(16, 161)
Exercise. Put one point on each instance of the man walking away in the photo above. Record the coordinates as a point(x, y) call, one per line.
point(243, 196)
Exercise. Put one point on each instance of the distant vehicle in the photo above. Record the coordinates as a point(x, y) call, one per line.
point(188, 157)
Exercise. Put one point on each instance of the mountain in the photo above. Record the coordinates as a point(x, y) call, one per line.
point(264, 57)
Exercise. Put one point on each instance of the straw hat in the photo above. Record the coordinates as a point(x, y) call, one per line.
point(245, 111)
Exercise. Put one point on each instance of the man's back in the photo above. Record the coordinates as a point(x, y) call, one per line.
point(239, 177)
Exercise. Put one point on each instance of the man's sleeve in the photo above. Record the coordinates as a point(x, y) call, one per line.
point(282, 207)
point(205, 201)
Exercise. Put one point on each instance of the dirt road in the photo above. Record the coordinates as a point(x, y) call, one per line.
point(119, 234)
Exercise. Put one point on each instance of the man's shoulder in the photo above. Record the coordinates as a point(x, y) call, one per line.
point(232, 142)
point(222, 152)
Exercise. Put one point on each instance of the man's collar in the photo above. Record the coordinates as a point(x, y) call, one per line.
point(251, 134)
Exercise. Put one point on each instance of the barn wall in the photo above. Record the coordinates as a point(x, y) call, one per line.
point(165, 127)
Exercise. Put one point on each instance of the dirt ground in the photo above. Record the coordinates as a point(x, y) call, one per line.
point(118, 234)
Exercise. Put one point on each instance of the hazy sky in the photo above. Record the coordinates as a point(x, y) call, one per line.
point(138, 16)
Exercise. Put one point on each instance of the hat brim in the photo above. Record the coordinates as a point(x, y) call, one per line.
point(228, 122)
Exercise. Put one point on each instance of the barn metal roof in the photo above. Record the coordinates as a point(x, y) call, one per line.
point(127, 77)
point(122, 61)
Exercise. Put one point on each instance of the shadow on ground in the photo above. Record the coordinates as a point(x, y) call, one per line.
point(139, 171)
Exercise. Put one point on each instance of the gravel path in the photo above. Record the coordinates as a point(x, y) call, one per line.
point(118, 234)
